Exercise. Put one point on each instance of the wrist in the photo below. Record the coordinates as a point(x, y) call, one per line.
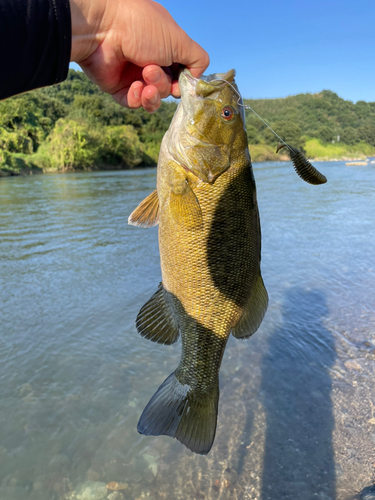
point(88, 19)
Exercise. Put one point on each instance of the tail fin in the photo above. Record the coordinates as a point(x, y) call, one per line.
point(175, 411)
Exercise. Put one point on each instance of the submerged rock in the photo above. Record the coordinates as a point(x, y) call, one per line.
point(114, 485)
point(152, 461)
point(93, 475)
point(352, 365)
point(64, 489)
point(92, 490)
point(115, 495)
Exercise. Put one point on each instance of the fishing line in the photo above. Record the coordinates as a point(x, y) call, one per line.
point(246, 106)
point(301, 164)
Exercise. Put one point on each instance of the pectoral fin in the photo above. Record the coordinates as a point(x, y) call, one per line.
point(147, 212)
point(184, 206)
point(253, 313)
point(156, 322)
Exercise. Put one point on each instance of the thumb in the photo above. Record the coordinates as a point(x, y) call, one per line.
point(191, 55)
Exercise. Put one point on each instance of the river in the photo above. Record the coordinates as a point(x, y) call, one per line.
point(296, 413)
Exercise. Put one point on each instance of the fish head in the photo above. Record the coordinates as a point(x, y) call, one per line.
point(208, 130)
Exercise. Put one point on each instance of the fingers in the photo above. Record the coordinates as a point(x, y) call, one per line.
point(139, 95)
point(155, 85)
point(155, 76)
point(131, 37)
point(150, 99)
point(134, 95)
point(175, 89)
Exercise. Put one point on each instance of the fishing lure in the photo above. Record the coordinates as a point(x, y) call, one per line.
point(303, 167)
point(301, 164)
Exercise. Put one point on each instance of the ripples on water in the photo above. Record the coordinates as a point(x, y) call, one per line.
point(296, 414)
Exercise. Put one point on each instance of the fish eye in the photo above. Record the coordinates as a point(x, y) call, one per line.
point(227, 113)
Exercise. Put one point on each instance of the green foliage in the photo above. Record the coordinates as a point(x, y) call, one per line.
point(323, 116)
point(17, 163)
point(74, 125)
point(349, 135)
point(71, 145)
point(121, 146)
point(367, 133)
point(325, 133)
point(316, 149)
point(74, 145)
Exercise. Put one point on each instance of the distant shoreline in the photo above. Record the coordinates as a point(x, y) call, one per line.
point(282, 158)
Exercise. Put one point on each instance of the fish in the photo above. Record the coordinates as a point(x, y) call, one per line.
point(205, 204)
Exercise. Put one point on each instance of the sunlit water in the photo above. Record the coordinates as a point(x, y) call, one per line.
point(296, 414)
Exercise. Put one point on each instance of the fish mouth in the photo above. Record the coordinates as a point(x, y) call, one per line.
point(213, 77)
point(190, 78)
point(210, 83)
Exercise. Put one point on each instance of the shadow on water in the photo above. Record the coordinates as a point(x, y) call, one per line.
point(296, 392)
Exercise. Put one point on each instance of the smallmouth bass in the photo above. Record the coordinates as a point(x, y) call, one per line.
point(210, 243)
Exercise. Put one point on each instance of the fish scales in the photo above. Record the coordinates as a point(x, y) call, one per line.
point(210, 243)
point(214, 266)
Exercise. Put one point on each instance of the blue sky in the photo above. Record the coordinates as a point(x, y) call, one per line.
point(281, 48)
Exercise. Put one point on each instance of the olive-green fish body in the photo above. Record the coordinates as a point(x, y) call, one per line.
point(209, 238)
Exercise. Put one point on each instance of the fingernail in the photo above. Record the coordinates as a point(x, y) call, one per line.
point(153, 76)
point(137, 92)
point(153, 99)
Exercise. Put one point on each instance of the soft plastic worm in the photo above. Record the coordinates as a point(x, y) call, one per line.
point(303, 167)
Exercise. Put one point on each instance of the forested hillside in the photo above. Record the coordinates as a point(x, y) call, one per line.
point(74, 126)
point(322, 124)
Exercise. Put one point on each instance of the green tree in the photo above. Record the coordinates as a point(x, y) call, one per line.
point(367, 133)
point(71, 145)
point(325, 134)
point(121, 146)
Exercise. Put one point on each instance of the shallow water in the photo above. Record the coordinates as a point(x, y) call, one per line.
point(296, 413)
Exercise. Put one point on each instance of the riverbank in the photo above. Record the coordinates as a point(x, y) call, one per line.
point(25, 168)
point(315, 150)
point(259, 153)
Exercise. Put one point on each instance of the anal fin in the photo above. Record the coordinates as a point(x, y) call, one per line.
point(147, 212)
point(253, 312)
point(155, 320)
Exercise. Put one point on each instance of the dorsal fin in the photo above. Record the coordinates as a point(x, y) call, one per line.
point(147, 212)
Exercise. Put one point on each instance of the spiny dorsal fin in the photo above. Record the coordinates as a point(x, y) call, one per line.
point(253, 312)
point(184, 206)
point(147, 212)
point(155, 321)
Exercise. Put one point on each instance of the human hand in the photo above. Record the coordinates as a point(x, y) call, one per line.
point(123, 46)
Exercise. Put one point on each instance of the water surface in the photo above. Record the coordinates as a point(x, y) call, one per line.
point(296, 413)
